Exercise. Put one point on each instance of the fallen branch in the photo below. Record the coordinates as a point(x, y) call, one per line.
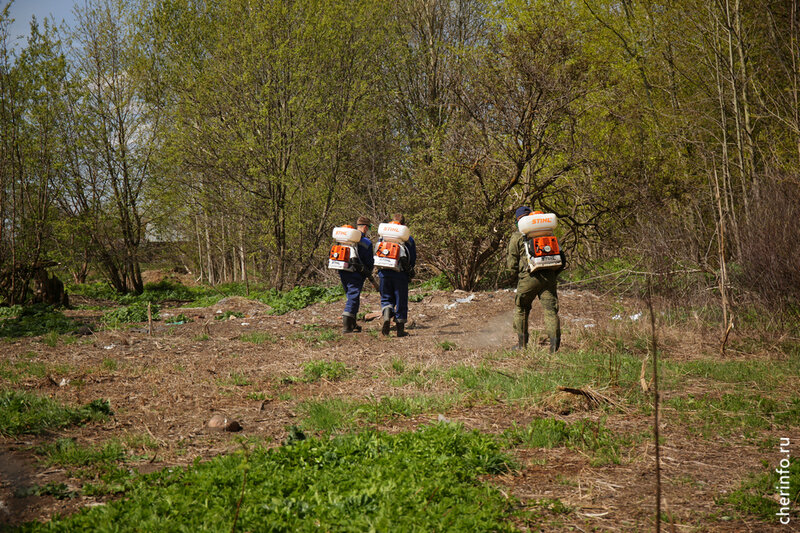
point(592, 396)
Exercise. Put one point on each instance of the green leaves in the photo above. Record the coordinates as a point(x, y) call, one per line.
point(425, 480)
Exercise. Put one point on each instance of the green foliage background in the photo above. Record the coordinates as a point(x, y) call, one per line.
point(663, 136)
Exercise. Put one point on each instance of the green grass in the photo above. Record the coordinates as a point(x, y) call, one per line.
point(398, 365)
point(447, 345)
point(756, 496)
point(259, 337)
point(422, 481)
point(766, 374)
point(236, 379)
point(22, 412)
point(59, 491)
point(436, 283)
point(546, 374)
point(417, 297)
point(335, 414)
point(317, 335)
point(14, 371)
point(140, 441)
point(423, 379)
point(748, 413)
point(66, 452)
point(587, 435)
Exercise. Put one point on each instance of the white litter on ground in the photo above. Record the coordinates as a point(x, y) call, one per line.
point(460, 301)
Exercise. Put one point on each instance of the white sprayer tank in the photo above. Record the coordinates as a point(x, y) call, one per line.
point(394, 232)
point(537, 224)
point(346, 235)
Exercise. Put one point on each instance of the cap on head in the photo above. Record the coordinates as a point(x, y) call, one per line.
point(521, 212)
point(363, 221)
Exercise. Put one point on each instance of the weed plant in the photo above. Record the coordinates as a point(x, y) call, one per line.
point(422, 481)
point(329, 370)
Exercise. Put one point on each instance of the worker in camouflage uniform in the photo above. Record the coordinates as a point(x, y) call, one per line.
point(542, 283)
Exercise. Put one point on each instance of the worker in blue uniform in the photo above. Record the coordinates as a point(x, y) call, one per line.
point(353, 282)
point(394, 287)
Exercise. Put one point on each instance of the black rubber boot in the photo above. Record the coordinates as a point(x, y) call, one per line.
point(354, 325)
point(555, 344)
point(522, 341)
point(401, 330)
point(387, 321)
point(346, 324)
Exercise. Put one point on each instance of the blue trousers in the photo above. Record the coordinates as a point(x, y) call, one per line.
point(394, 294)
point(352, 283)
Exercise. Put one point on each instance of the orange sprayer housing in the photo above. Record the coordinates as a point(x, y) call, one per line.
point(340, 253)
point(388, 250)
point(545, 246)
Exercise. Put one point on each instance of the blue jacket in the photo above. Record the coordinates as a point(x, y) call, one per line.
point(365, 254)
point(411, 247)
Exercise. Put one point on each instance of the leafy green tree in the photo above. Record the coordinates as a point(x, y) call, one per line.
point(118, 135)
point(31, 109)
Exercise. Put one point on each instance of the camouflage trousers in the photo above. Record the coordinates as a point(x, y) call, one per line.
point(544, 285)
